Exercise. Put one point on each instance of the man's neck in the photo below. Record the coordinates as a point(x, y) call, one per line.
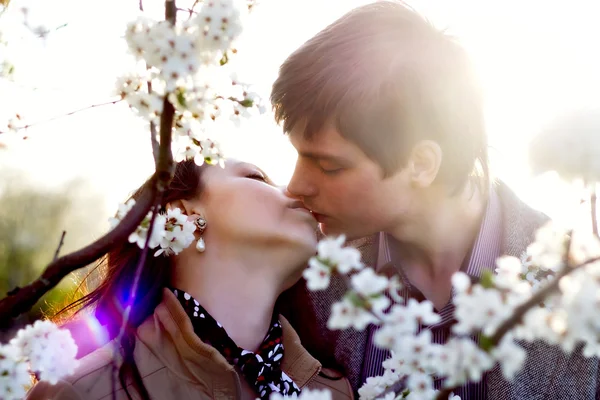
point(435, 246)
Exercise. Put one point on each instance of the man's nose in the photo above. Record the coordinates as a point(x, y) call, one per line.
point(301, 185)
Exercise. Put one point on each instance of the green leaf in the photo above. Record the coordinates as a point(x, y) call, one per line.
point(487, 279)
point(224, 59)
point(181, 98)
point(355, 299)
point(247, 103)
point(485, 342)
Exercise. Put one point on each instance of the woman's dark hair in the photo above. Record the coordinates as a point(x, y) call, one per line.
point(110, 298)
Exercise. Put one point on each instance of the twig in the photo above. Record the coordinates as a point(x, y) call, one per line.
point(18, 128)
point(187, 10)
point(191, 10)
point(60, 244)
point(155, 145)
point(141, 5)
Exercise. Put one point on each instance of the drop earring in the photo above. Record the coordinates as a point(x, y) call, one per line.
point(200, 223)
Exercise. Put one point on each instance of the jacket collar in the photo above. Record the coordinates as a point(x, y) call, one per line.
point(170, 336)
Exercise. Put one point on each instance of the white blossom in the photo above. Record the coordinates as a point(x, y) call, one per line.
point(220, 23)
point(510, 356)
point(479, 309)
point(376, 385)
point(368, 283)
point(344, 259)
point(463, 361)
point(140, 235)
point(344, 314)
point(418, 351)
point(420, 386)
point(423, 312)
point(14, 374)
point(461, 282)
point(317, 275)
point(49, 350)
point(548, 250)
point(179, 233)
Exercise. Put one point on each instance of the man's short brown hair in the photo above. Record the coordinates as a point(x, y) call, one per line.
point(387, 78)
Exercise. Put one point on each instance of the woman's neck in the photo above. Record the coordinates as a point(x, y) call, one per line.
point(240, 296)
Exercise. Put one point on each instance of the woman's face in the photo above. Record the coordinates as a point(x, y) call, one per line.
point(242, 206)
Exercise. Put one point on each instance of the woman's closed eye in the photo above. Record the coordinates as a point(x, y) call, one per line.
point(258, 176)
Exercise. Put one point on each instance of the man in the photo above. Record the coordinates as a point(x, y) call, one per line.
point(388, 123)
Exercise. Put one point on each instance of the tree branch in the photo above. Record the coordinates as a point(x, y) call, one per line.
point(65, 115)
point(60, 244)
point(155, 145)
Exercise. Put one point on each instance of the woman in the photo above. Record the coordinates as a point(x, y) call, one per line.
point(251, 244)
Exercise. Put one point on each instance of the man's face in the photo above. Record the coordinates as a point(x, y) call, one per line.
point(344, 188)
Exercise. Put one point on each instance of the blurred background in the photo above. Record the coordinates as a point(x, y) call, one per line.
point(537, 59)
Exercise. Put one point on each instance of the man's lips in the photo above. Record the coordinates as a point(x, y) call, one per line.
point(319, 217)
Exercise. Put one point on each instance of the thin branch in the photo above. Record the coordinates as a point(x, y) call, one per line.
point(141, 5)
point(155, 145)
point(191, 10)
point(18, 128)
point(60, 245)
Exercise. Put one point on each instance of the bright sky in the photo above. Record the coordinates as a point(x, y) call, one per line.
point(536, 58)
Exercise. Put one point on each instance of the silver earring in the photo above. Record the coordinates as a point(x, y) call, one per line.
point(200, 223)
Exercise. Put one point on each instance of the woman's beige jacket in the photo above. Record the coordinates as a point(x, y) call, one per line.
point(175, 364)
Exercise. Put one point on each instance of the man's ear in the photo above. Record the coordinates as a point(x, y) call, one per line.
point(186, 206)
point(424, 163)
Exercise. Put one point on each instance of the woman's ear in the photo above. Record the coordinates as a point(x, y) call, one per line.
point(186, 206)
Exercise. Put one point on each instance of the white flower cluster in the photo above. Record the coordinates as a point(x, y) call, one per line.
point(185, 65)
point(14, 374)
point(566, 319)
point(41, 348)
point(172, 231)
point(331, 256)
point(570, 317)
